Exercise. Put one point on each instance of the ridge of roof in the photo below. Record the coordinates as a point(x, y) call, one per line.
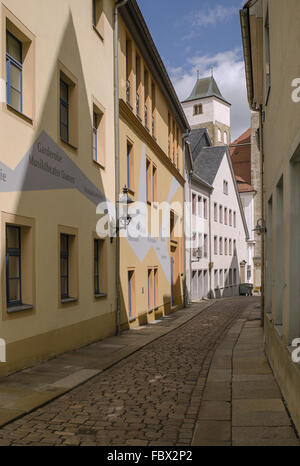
point(206, 87)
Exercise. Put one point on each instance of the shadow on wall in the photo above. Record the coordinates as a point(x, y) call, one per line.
point(229, 288)
point(50, 198)
point(144, 317)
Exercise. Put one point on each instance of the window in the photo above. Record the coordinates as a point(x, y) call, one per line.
point(18, 285)
point(216, 281)
point(225, 187)
point(18, 67)
point(216, 212)
point(169, 136)
point(13, 265)
point(200, 245)
point(194, 201)
point(225, 278)
point(234, 219)
point(198, 109)
point(205, 246)
point(96, 266)
point(128, 70)
point(219, 135)
point(230, 217)
point(200, 206)
point(153, 127)
point(14, 70)
point(225, 138)
point(146, 97)
point(221, 214)
point(68, 107)
point(130, 171)
point(234, 277)
point(230, 277)
point(98, 17)
point(230, 247)
point(215, 245)
point(64, 111)
point(221, 246)
point(194, 245)
point(226, 246)
point(95, 136)
point(68, 256)
point(173, 226)
point(64, 266)
point(98, 135)
point(131, 294)
point(154, 184)
point(234, 247)
point(138, 83)
point(225, 216)
point(205, 208)
point(148, 180)
point(221, 278)
point(174, 143)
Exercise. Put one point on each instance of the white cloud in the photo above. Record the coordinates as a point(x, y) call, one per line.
point(211, 16)
point(229, 73)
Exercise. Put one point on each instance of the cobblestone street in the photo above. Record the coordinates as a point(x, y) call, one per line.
point(153, 397)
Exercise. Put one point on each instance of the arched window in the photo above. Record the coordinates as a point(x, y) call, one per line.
point(219, 135)
point(225, 138)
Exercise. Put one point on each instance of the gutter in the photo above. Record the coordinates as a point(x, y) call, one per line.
point(118, 5)
point(245, 27)
point(187, 147)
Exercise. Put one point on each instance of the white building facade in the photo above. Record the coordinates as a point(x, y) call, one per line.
point(216, 230)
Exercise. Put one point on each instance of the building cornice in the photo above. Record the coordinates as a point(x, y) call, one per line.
point(128, 115)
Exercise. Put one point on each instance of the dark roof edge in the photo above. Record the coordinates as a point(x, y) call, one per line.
point(134, 13)
point(207, 97)
point(201, 181)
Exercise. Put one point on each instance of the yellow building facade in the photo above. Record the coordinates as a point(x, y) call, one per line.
point(272, 73)
point(56, 165)
point(152, 124)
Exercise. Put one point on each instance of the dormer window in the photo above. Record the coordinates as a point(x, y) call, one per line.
point(198, 109)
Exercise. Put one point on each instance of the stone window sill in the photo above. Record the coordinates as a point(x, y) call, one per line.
point(100, 295)
point(68, 144)
point(69, 300)
point(19, 308)
point(20, 114)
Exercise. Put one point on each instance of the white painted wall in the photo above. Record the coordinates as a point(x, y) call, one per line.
point(225, 262)
point(221, 112)
point(213, 110)
point(206, 116)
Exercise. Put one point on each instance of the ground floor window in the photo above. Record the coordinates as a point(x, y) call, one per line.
point(96, 266)
point(13, 265)
point(64, 266)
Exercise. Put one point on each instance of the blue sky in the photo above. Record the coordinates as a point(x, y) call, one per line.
point(198, 34)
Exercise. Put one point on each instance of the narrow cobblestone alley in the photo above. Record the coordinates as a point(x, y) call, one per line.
point(154, 396)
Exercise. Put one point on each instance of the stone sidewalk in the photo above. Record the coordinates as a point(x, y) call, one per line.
point(242, 404)
point(24, 391)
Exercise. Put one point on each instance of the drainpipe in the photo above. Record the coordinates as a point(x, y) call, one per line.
point(118, 4)
point(262, 267)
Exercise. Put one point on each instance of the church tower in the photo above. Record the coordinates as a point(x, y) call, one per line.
point(207, 108)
